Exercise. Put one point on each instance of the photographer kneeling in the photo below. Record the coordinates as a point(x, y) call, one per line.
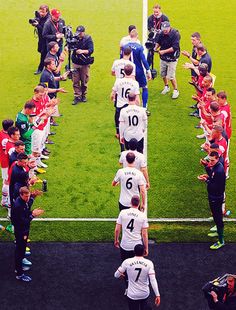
point(81, 60)
point(221, 293)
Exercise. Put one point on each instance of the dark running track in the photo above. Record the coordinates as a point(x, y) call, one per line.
point(80, 276)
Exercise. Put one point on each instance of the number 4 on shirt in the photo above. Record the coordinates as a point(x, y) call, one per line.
point(130, 225)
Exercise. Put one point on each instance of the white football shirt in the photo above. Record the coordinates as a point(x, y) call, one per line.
point(132, 221)
point(133, 122)
point(130, 179)
point(122, 87)
point(140, 161)
point(138, 269)
point(127, 39)
point(118, 67)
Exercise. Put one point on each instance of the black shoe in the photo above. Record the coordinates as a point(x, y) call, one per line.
point(83, 99)
point(37, 72)
point(49, 142)
point(76, 100)
point(52, 133)
point(148, 113)
point(54, 124)
point(194, 106)
point(195, 113)
point(45, 153)
point(46, 150)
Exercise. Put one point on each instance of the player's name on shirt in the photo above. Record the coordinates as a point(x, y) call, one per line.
point(133, 214)
point(138, 262)
point(133, 110)
point(130, 173)
point(126, 82)
point(118, 67)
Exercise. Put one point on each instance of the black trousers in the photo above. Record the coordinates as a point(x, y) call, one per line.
point(139, 146)
point(216, 209)
point(121, 207)
point(43, 54)
point(117, 116)
point(20, 251)
point(124, 255)
point(138, 304)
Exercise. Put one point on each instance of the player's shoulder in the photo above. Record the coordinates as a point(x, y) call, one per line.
point(115, 62)
point(122, 156)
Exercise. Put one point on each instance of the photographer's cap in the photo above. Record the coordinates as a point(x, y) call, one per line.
point(80, 29)
point(55, 13)
point(165, 25)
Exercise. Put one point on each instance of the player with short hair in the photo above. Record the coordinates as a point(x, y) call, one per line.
point(134, 225)
point(132, 183)
point(140, 271)
point(139, 59)
point(125, 40)
point(118, 66)
point(119, 94)
point(19, 148)
point(132, 123)
point(140, 161)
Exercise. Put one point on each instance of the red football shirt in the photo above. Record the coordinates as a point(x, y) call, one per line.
point(3, 141)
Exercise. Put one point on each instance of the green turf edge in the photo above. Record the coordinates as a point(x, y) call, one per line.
point(92, 232)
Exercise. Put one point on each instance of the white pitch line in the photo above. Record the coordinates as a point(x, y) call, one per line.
point(151, 220)
point(145, 12)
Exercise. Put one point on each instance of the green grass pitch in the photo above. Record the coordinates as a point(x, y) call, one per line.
point(85, 157)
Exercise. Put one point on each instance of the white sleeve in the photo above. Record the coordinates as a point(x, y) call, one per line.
point(120, 271)
point(145, 120)
point(121, 124)
point(224, 113)
point(142, 180)
point(153, 280)
point(145, 223)
point(4, 142)
point(136, 89)
point(154, 284)
point(119, 219)
point(117, 176)
point(115, 88)
point(143, 162)
point(222, 148)
point(121, 160)
point(113, 66)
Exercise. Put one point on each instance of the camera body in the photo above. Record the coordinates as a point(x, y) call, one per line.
point(35, 20)
point(152, 39)
point(70, 37)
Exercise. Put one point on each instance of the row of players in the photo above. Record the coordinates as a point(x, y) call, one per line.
point(131, 124)
point(214, 113)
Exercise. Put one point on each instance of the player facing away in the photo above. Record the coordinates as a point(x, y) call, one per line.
point(118, 66)
point(139, 59)
point(119, 95)
point(132, 123)
point(140, 271)
point(132, 182)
